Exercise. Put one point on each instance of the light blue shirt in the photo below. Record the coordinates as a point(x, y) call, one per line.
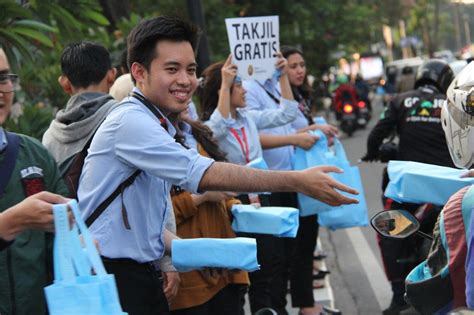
point(3, 139)
point(257, 99)
point(132, 138)
point(300, 122)
point(251, 121)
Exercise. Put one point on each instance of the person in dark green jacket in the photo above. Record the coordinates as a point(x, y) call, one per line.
point(26, 264)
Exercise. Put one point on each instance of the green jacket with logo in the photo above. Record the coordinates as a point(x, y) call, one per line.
point(26, 265)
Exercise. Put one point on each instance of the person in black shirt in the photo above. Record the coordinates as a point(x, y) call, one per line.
point(416, 118)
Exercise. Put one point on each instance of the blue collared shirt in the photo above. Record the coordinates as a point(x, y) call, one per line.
point(3, 139)
point(257, 99)
point(132, 138)
point(251, 121)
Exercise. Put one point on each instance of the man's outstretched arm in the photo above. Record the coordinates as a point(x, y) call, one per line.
point(314, 182)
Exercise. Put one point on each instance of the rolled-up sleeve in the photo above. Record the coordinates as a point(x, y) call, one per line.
point(286, 113)
point(219, 124)
point(142, 143)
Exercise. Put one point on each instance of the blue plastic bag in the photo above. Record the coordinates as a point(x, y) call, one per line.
point(75, 290)
point(230, 253)
point(277, 221)
point(347, 216)
point(423, 183)
point(318, 155)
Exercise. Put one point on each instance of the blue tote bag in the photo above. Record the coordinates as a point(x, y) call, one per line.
point(347, 216)
point(75, 290)
point(317, 155)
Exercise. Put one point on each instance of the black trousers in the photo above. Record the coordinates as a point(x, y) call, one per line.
point(140, 287)
point(293, 260)
point(225, 302)
point(260, 280)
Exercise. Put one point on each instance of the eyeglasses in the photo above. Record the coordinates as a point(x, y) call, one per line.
point(8, 82)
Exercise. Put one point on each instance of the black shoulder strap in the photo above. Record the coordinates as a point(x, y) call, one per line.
point(101, 208)
point(8, 163)
point(152, 109)
point(273, 97)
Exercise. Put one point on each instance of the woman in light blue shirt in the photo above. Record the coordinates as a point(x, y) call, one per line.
point(222, 100)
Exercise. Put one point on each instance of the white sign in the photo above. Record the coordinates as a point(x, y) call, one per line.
point(253, 43)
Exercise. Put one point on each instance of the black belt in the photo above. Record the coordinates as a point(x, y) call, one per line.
point(128, 262)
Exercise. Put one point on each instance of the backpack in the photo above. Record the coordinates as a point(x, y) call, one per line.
point(437, 285)
point(71, 170)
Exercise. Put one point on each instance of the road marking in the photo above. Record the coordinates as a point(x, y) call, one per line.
point(373, 270)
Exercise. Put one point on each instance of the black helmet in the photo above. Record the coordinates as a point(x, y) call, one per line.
point(436, 72)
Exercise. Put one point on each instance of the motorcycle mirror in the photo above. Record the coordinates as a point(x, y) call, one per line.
point(398, 224)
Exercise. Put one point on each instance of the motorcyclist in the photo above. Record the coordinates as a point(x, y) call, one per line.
point(458, 123)
point(415, 116)
point(345, 92)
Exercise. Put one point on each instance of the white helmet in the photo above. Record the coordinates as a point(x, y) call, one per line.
point(457, 118)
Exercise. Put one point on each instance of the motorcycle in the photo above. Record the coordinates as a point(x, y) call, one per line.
point(348, 118)
point(400, 224)
point(363, 111)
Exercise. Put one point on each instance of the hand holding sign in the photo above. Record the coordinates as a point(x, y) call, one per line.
point(228, 72)
point(281, 64)
point(254, 41)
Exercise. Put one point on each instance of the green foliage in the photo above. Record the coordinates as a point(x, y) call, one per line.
point(20, 34)
point(33, 122)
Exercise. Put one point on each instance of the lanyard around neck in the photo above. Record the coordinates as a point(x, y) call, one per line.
point(152, 108)
point(244, 145)
point(273, 97)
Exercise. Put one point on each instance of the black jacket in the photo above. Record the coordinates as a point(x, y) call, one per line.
point(415, 116)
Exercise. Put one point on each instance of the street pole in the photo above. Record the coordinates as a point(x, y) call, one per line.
point(197, 16)
point(403, 34)
point(467, 30)
point(457, 30)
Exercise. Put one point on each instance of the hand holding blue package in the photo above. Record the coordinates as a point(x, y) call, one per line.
point(277, 221)
point(229, 253)
point(75, 290)
point(333, 217)
point(318, 155)
point(423, 183)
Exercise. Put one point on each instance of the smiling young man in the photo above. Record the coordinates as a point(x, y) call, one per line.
point(136, 142)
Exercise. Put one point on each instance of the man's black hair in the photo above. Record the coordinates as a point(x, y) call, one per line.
point(143, 38)
point(85, 63)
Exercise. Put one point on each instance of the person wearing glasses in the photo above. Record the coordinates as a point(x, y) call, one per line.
point(26, 171)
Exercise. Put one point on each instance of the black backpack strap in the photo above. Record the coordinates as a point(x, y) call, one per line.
point(8, 164)
point(119, 191)
point(73, 169)
point(101, 208)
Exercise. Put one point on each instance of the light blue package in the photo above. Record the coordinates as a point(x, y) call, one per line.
point(229, 253)
point(423, 183)
point(277, 221)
